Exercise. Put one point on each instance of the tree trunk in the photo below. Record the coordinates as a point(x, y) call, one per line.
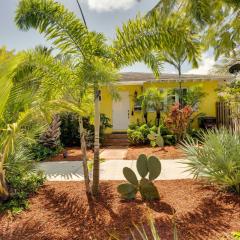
point(158, 116)
point(96, 163)
point(4, 194)
point(180, 87)
point(146, 117)
point(84, 155)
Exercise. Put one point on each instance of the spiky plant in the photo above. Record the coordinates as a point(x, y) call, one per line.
point(216, 158)
point(51, 137)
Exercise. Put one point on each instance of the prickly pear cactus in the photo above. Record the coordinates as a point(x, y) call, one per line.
point(130, 175)
point(159, 141)
point(128, 191)
point(148, 190)
point(156, 139)
point(154, 168)
point(149, 169)
point(142, 165)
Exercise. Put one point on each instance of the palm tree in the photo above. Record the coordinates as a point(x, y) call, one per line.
point(97, 61)
point(69, 93)
point(152, 98)
point(217, 20)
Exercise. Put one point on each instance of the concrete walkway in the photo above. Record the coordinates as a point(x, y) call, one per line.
point(109, 170)
point(112, 153)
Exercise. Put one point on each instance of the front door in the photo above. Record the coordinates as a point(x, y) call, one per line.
point(120, 112)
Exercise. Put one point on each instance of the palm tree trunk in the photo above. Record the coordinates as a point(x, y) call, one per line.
point(4, 194)
point(146, 117)
point(158, 116)
point(96, 163)
point(180, 86)
point(84, 155)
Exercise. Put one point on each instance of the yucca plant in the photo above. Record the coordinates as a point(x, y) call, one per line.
point(140, 232)
point(215, 157)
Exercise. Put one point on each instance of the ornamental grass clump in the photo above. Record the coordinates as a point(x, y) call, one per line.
point(149, 169)
point(215, 157)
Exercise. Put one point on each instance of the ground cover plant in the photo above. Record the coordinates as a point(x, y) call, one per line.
point(216, 157)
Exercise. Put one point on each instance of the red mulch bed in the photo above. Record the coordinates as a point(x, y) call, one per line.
point(74, 154)
point(167, 152)
point(61, 210)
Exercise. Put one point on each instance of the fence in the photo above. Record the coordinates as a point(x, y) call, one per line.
point(225, 117)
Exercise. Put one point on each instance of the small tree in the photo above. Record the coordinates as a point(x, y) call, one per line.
point(152, 98)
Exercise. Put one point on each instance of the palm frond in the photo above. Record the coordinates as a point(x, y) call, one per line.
point(60, 26)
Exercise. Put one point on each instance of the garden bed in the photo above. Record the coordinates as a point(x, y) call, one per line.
point(61, 210)
point(74, 154)
point(167, 152)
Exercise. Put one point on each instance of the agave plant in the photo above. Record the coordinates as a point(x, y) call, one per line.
point(215, 157)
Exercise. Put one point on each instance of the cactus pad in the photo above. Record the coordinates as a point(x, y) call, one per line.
point(148, 190)
point(154, 167)
point(151, 136)
point(127, 191)
point(142, 165)
point(160, 141)
point(130, 176)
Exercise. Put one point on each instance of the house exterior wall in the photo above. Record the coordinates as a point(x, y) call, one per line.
point(207, 105)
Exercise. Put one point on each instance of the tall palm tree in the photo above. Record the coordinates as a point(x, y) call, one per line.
point(98, 62)
point(68, 94)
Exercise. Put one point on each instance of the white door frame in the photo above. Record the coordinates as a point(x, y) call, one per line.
point(120, 112)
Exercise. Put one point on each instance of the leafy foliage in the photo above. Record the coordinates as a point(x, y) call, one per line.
point(215, 158)
point(21, 176)
point(137, 134)
point(152, 98)
point(178, 120)
point(156, 139)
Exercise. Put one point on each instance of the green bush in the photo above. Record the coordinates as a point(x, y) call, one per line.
point(22, 179)
point(135, 137)
point(21, 186)
point(216, 157)
point(138, 134)
point(40, 152)
point(70, 129)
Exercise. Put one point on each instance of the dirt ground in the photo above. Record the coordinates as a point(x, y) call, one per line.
point(74, 154)
point(167, 152)
point(61, 211)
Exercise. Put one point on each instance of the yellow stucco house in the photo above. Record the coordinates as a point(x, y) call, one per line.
point(124, 111)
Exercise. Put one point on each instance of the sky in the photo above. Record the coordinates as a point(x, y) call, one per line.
point(101, 16)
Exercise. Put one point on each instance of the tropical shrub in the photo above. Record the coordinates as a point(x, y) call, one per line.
point(178, 119)
point(138, 133)
point(70, 129)
point(216, 157)
point(40, 152)
point(22, 179)
point(150, 167)
point(156, 139)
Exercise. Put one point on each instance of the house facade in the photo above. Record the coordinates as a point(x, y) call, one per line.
point(126, 110)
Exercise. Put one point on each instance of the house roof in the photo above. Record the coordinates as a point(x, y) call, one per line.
point(132, 78)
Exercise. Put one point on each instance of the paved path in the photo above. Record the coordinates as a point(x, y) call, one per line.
point(109, 170)
point(112, 153)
